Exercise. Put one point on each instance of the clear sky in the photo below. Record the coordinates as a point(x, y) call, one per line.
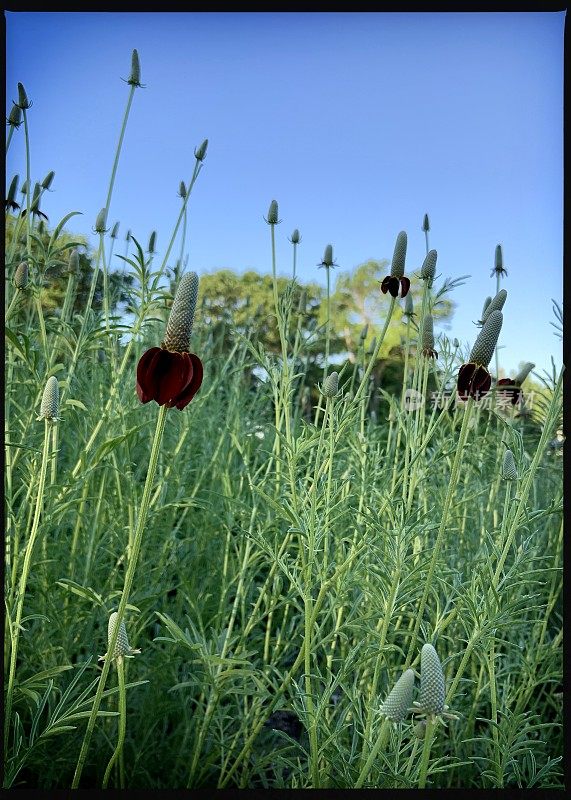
point(356, 123)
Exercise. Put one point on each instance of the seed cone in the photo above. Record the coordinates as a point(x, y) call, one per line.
point(331, 385)
point(509, 471)
point(49, 408)
point(487, 340)
point(397, 704)
point(432, 687)
point(181, 319)
point(428, 269)
point(399, 256)
point(21, 276)
point(495, 305)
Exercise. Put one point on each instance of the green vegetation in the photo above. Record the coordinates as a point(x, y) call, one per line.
point(282, 550)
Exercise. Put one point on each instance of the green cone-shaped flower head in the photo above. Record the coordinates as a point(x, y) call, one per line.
point(12, 189)
point(398, 702)
point(428, 269)
point(182, 190)
point(498, 258)
point(432, 686)
point(21, 276)
point(509, 471)
point(487, 339)
point(101, 221)
point(273, 213)
point(364, 332)
point(135, 76)
point(428, 333)
point(200, 152)
point(115, 231)
point(49, 408)
point(487, 302)
point(425, 224)
point(48, 180)
point(295, 237)
point(399, 256)
point(495, 305)
point(524, 372)
point(327, 260)
point(152, 242)
point(331, 385)
point(23, 101)
point(15, 117)
point(408, 305)
point(122, 646)
point(73, 265)
point(181, 319)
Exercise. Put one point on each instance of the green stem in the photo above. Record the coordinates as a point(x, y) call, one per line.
point(122, 705)
point(378, 746)
point(443, 523)
point(137, 541)
point(428, 736)
point(24, 578)
point(27, 137)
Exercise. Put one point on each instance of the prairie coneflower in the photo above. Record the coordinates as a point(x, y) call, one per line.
point(15, 117)
point(511, 387)
point(327, 260)
point(474, 380)
point(428, 338)
point(396, 280)
point(499, 268)
point(397, 704)
point(10, 202)
point(295, 238)
point(122, 647)
point(200, 152)
point(432, 685)
point(170, 374)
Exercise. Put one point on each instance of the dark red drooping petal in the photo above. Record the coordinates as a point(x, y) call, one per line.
point(405, 286)
point(385, 284)
point(146, 387)
point(511, 391)
point(394, 285)
point(169, 378)
point(474, 380)
point(184, 398)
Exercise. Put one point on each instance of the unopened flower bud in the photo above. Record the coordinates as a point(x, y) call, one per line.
point(487, 339)
point(152, 241)
point(73, 264)
point(100, 221)
point(49, 408)
point(363, 334)
point(115, 231)
point(273, 213)
point(23, 101)
point(509, 471)
point(15, 117)
point(48, 180)
point(135, 76)
point(428, 269)
point(181, 318)
point(11, 196)
point(498, 259)
point(372, 346)
point(200, 152)
point(399, 256)
point(327, 260)
point(487, 302)
point(428, 333)
point(455, 342)
point(408, 305)
point(330, 385)
point(122, 646)
point(182, 190)
point(21, 276)
point(295, 237)
point(397, 704)
point(425, 224)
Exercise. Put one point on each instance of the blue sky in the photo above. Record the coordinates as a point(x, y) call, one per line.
point(356, 123)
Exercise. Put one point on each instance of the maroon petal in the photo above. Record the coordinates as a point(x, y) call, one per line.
point(385, 284)
point(465, 375)
point(146, 385)
point(173, 374)
point(405, 286)
point(511, 392)
point(481, 382)
point(394, 285)
point(184, 398)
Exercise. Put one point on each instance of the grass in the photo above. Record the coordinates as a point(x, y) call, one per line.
point(277, 571)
